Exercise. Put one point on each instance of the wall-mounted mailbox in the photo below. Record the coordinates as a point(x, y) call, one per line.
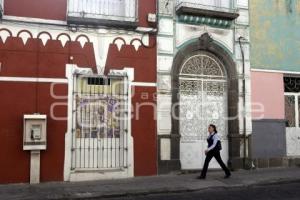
point(34, 136)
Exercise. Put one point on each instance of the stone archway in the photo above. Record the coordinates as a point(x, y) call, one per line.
point(206, 44)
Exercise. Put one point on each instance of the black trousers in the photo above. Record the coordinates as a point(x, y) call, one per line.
point(209, 156)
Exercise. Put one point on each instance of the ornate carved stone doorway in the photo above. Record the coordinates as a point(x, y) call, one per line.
point(227, 80)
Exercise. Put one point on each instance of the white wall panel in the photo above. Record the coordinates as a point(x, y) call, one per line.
point(244, 17)
point(165, 149)
point(242, 3)
point(166, 26)
point(293, 141)
point(164, 63)
point(165, 45)
point(164, 114)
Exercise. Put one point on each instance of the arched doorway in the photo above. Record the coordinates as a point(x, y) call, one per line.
point(205, 44)
point(202, 100)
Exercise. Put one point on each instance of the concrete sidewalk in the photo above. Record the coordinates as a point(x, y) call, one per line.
point(146, 185)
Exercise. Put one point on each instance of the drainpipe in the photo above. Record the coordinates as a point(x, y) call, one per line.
point(244, 102)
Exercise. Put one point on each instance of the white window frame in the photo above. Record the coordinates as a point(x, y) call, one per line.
point(296, 95)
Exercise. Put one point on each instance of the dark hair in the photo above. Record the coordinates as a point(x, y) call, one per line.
point(214, 127)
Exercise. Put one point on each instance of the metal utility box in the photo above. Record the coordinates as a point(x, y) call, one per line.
point(35, 136)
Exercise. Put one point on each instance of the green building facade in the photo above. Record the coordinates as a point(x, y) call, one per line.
point(275, 81)
point(275, 34)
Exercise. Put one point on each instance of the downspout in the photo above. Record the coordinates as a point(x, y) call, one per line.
point(244, 102)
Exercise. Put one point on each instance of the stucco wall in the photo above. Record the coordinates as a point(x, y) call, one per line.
point(143, 62)
point(275, 28)
point(267, 95)
point(268, 139)
point(34, 59)
point(268, 135)
point(293, 141)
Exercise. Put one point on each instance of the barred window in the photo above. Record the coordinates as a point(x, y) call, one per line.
point(292, 84)
point(292, 101)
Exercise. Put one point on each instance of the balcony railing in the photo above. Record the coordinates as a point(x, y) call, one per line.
point(208, 8)
point(103, 12)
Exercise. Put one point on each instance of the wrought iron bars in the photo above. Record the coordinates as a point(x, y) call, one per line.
point(121, 10)
point(99, 139)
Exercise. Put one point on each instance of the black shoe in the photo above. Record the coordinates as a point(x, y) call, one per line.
point(200, 177)
point(227, 176)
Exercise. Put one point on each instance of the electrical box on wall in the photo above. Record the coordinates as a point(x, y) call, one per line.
point(152, 18)
point(34, 135)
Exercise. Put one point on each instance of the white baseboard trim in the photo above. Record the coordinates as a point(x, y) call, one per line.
point(144, 84)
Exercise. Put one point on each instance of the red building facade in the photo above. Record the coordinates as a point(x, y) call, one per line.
point(37, 40)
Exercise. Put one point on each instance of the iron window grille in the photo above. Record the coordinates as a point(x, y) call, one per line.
point(99, 136)
point(292, 101)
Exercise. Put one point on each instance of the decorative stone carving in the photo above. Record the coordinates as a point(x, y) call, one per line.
point(202, 86)
point(202, 65)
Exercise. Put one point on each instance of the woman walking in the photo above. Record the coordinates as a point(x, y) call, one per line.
point(214, 148)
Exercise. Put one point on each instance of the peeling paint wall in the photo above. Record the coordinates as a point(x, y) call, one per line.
point(275, 34)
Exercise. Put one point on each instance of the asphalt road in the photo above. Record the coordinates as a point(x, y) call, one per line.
point(287, 191)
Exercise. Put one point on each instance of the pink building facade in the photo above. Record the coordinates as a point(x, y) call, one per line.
point(275, 83)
